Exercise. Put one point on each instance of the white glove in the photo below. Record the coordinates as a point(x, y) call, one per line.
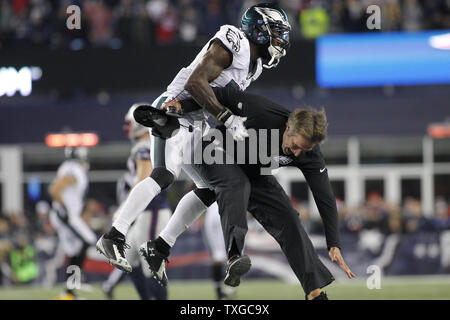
point(235, 125)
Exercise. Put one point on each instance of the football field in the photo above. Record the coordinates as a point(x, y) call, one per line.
point(402, 288)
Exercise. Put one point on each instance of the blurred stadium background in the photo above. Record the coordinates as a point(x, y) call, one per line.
point(387, 97)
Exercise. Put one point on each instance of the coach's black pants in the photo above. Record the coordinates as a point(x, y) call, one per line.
point(263, 196)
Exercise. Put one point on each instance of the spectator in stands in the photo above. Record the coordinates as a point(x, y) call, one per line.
point(441, 219)
point(189, 24)
point(213, 18)
point(99, 17)
point(412, 16)
point(167, 27)
point(314, 21)
point(23, 260)
point(5, 247)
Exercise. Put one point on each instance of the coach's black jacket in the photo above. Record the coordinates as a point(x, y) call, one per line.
point(262, 113)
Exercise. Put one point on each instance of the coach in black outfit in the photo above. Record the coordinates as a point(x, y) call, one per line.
point(242, 187)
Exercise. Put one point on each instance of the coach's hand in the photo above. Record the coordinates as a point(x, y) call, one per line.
point(335, 255)
point(235, 125)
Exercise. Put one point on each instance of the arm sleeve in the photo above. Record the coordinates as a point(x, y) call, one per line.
point(317, 178)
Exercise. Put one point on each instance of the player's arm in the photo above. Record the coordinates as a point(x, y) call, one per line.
point(143, 169)
point(215, 60)
point(58, 185)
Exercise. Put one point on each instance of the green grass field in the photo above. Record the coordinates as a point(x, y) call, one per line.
point(416, 288)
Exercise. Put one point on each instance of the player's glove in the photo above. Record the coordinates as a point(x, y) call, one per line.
point(234, 124)
point(162, 124)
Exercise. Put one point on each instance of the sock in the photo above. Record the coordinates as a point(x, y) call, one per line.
point(138, 199)
point(188, 210)
point(217, 278)
point(233, 251)
point(162, 246)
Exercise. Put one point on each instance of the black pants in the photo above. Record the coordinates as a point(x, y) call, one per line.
point(237, 192)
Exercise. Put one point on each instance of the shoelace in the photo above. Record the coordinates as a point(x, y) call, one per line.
point(123, 246)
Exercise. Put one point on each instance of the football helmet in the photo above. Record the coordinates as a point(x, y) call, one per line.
point(132, 129)
point(267, 24)
point(76, 153)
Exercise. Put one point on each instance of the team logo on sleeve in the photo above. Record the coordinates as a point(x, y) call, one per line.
point(283, 160)
point(233, 38)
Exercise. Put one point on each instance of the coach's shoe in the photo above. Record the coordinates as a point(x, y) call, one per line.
point(114, 250)
point(321, 296)
point(156, 261)
point(237, 267)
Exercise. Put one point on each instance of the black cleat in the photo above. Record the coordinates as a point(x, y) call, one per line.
point(321, 296)
point(114, 250)
point(237, 267)
point(156, 261)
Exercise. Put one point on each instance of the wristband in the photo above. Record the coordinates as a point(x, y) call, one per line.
point(224, 115)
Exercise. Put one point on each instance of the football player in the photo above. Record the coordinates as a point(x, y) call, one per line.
point(151, 220)
point(68, 191)
point(234, 57)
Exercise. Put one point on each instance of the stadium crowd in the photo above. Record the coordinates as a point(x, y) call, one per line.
point(28, 241)
point(117, 23)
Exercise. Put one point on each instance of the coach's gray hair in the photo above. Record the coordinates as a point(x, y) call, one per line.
point(310, 123)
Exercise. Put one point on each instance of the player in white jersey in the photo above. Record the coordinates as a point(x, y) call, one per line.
point(68, 191)
point(233, 57)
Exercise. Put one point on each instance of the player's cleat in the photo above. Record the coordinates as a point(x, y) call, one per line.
point(156, 261)
point(321, 296)
point(114, 250)
point(237, 267)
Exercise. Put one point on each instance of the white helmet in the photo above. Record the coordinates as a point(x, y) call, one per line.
point(77, 153)
point(132, 129)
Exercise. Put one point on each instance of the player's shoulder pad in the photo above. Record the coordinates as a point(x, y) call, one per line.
point(141, 150)
point(231, 37)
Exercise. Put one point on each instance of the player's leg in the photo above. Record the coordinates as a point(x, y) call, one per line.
point(136, 275)
point(148, 225)
point(213, 236)
point(189, 208)
point(82, 229)
point(166, 160)
point(71, 244)
point(271, 206)
point(163, 215)
point(113, 280)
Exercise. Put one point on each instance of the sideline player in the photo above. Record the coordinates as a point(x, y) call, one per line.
point(241, 187)
point(68, 191)
point(232, 58)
